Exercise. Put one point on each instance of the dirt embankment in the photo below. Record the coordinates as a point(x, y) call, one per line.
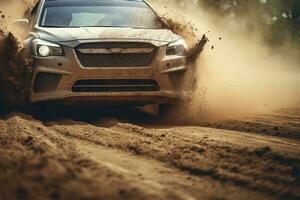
point(111, 159)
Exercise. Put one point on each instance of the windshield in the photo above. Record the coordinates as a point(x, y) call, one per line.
point(98, 14)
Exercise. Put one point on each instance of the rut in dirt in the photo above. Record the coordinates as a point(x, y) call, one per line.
point(182, 162)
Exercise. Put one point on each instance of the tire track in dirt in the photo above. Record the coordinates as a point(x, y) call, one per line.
point(77, 160)
point(39, 163)
point(256, 167)
point(284, 123)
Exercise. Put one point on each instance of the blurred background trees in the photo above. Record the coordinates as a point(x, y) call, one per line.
point(279, 19)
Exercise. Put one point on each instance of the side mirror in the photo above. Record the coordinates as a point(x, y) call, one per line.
point(20, 23)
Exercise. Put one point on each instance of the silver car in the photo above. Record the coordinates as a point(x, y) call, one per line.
point(104, 51)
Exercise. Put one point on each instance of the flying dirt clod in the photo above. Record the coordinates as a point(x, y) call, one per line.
point(15, 72)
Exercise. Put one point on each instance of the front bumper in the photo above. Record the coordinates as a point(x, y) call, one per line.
point(167, 71)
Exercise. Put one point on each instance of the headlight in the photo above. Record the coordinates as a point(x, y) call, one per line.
point(178, 48)
point(44, 48)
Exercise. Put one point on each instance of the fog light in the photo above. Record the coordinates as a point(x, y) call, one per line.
point(44, 51)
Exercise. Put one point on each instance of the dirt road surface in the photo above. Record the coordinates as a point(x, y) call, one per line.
point(91, 156)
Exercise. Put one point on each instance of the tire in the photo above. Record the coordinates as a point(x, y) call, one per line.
point(166, 109)
point(45, 111)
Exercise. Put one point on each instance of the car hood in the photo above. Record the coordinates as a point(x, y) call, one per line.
point(65, 35)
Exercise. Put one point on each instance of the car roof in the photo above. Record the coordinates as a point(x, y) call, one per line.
point(123, 2)
point(97, 0)
point(134, 3)
point(35, 3)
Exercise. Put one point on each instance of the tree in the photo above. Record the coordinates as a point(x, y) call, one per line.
point(279, 19)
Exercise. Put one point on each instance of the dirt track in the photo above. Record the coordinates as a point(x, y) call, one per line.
point(109, 158)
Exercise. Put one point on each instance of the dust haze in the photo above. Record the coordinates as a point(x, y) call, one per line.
point(237, 73)
point(14, 10)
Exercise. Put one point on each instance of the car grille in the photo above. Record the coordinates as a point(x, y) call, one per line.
point(116, 54)
point(112, 85)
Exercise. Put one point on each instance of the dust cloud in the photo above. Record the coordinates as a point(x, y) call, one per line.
point(237, 73)
point(12, 10)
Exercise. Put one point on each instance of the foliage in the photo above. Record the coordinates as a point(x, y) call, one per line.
point(280, 19)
